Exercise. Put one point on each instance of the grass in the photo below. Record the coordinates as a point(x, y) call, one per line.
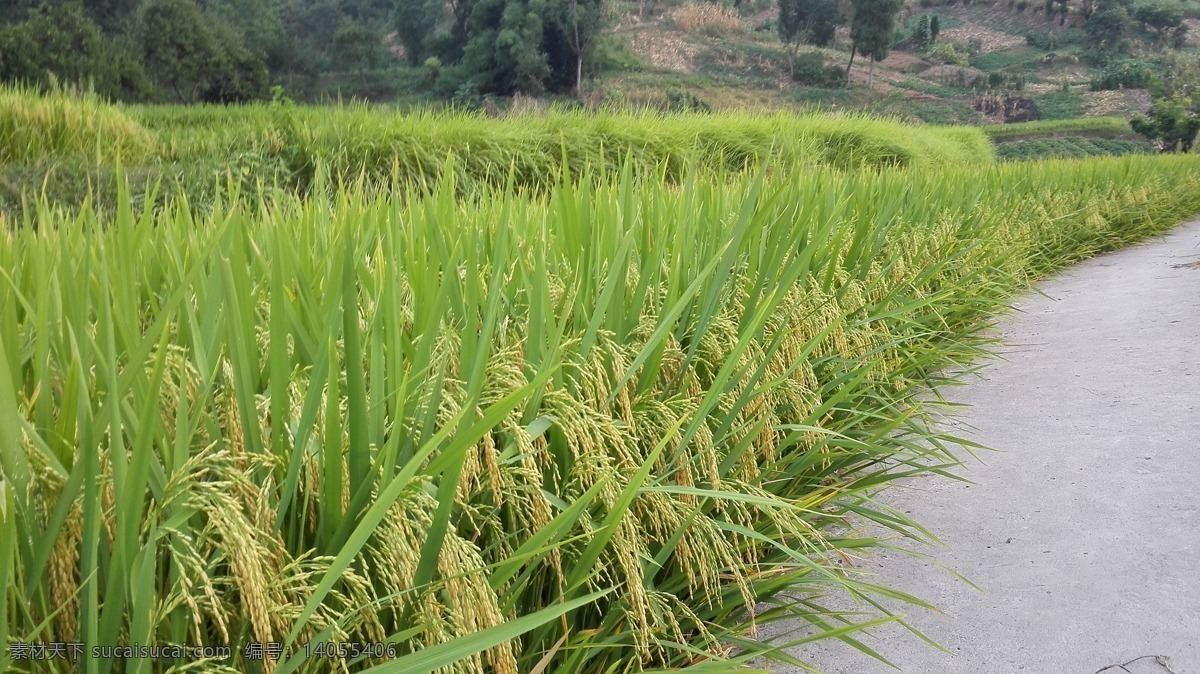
point(1016, 59)
point(944, 112)
point(588, 429)
point(1059, 105)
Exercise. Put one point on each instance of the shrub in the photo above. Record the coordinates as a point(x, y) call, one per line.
point(1123, 74)
point(949, 54)
point(681, 100)
point(1042, 40)
point(812, 70)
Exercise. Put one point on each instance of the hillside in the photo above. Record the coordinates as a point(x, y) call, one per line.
point(991, 63)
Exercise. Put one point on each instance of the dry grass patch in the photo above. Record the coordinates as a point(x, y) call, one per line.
point(709, 19)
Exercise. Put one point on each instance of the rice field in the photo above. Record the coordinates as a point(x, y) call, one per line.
point(610, 424)
point(75, 149)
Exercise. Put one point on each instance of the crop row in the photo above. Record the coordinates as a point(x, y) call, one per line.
point(603, 427)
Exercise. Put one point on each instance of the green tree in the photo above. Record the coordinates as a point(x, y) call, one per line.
point(1172, 123)
point(197, 59)
point(935, 27)
point(416, 23)
point(922, 37)
point(580, 22)
point(1161, 17)
point(1107, 26)
point(504, 53)
point(356, 47)
point(62, 43)
point(806, 21)
point(260, 25)
point(871, 31)
point(113, 16)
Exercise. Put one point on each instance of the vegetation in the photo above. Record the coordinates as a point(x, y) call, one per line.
point(589, 427)
point(67, 125)
point(1092, 126)
point(1060, 105)
point(199, 150)
point(1069, 146)
point(1172, 124)
point(871, 28)
point(806, 21)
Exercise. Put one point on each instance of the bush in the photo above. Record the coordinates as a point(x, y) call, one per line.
point(812, 70)
point(61, 44)
point(1042, 40)
point(949, 54)
point(1123, 74)
point(680, 100)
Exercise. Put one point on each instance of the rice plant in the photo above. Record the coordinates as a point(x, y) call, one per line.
point(611, 426)
point(66, 123)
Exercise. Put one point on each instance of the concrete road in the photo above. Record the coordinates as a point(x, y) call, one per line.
point(1084, 529)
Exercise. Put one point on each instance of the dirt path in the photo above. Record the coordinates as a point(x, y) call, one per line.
point(1084, 530)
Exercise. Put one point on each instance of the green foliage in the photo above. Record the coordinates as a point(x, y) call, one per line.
point(577, 24)
point(1045, 40)
point(807, 21)
point(949, 54)
point(196, 60)
point(1092, 126)
point(61, 43)
point(502, 47)
point(872, 26)
point(935, 28)
point(681, 100)
point(1059, 105)
point(1106, 28)
point(1172, 124)
point(1123, 74)
point(479, 429)
point(428, 28)
point(811, 69)
point(356, 47)
point(922, 35)
point(1014, 59)
point(1159, 16)
point(1069, 146)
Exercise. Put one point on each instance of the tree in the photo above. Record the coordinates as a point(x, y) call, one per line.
point(1063, 9)
point(198, 60)
point(811, 21)
point(1173, 124)
point(1159, 16)
point(504, 53)
point(922, 37)
point(113, 16)
point(416, 23)
point(871, 31)
point(1107, 26)
point(935, 27)
point(580, 21)
point(356, 47)
point(63, 43)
